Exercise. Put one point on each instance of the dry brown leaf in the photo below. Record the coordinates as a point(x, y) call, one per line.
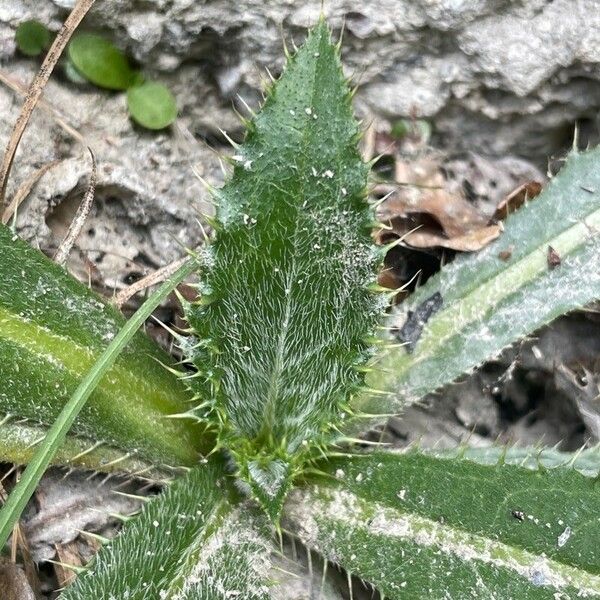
point(13, 583)
point(516, 199)
point(67, 554)
point(469, 242)
point(426, 215)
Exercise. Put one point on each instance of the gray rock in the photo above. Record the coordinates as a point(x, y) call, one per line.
point(148, 200)
point(494, 76)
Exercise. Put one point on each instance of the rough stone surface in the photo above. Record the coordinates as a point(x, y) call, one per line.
point(148, 200)
point(495, 76)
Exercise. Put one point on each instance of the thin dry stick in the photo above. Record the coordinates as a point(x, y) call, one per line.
point(19, 88)
point(37, 87)
point(368, 149)
point(156, 277)
point(24, 190)
point(65, 247)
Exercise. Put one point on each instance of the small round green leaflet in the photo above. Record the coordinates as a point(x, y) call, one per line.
point(32, 38)
point(100, 62)
point(151, 105)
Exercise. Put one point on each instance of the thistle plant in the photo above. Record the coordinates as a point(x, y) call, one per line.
point(289, 357)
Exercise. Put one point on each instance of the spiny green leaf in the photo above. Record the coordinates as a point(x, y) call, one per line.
point(100, 62)
point(443, 527)
point(190, 543)
point(480, 303)
point(52, 330)
point(32, 38)
point(19, 440)
point(58, 431)
point(151, 105)
point(586, 462)
point(285, 304)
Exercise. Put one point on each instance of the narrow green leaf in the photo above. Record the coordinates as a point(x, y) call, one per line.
point(480, 303)
point(20, 495)
point(151, 105)
point(286, 306)
point(32, 38)
point(190, 543)
point(18, 442)
point(443, 527)
point(100, 62)
point(52, 331)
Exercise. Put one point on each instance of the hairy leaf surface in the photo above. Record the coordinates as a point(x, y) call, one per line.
point(286, 306)
point(19, 440)
point(190, 543)
point(52, 329)
point(481, 303)
point(447, 527)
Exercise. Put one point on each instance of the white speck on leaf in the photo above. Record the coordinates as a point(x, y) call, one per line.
point(563, 538)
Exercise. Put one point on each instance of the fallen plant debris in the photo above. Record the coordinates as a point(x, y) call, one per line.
point(427, 214)
point(516, 199)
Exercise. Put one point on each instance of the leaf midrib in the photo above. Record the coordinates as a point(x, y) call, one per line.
point(275, 380)
point(449, 322)
point(452, 540)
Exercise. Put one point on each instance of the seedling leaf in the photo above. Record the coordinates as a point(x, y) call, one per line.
point(286, 307)
point(190, 543)
point(408, 522)
point(52, 330)
point(484, 302)
point(32, 38)
point(151, 105)
point(100, 62)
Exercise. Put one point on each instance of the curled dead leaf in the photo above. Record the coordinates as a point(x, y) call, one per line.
point(13, 583)
point(516, 199)
point(426, 215)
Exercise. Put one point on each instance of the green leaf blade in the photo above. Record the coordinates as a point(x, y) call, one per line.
point(487, 303)
point(52, 330)
point(189, 543)
point(151, 105)
point(286, 304)
point(410, 521)
point(19, 440)
point(100, 62)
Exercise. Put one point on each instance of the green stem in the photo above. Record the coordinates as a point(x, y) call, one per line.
point(22, 492)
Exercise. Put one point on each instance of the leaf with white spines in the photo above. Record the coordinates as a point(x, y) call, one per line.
point(285, 305)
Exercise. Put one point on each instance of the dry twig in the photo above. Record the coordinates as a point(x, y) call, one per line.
point(152, 279)
point(36, 88)
point(24, 190)
point(78, 221)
